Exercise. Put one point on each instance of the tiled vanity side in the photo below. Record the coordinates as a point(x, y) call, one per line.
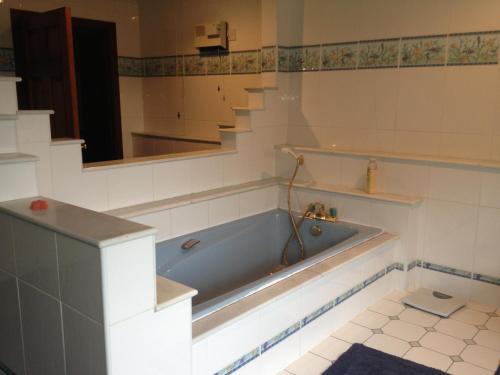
point(80, 295)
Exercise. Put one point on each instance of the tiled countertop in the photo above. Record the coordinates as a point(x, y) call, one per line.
point(88, 226)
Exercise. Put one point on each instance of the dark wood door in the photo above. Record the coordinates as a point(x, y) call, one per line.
point(43, 50)
point(96, 66)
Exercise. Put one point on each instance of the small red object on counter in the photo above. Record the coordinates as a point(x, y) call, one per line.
point(39, 204)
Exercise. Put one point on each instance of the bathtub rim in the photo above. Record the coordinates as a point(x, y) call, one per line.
point(236, 311)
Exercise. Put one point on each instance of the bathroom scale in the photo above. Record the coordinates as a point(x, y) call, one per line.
point(434, 302)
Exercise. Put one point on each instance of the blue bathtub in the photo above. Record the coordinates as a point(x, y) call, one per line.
point(239, 258)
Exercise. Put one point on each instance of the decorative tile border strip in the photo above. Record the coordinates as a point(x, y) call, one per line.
point(454, 272)
point(5, 369)
point(475, 48)
point(295, 327)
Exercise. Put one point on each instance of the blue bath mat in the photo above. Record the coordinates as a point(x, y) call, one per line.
point(361, 360)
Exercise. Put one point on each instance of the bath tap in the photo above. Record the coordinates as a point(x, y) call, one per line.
point(317, 211)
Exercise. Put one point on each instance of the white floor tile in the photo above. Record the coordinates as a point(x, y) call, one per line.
point(429, 358)
point(403, 330)
point(331, 348)
point(419, 318)
point(442, 343)
point(493, 324)
point(481, 356)
point(283, 372)
point(396, 296)
point(480, 307)
point(465, 368)
point(488, 338)
point(456, 328)
point(353, 333)
point(469, 316)
point(309, 364)
point(371, 319)
point(386, 307)
point(388, 344)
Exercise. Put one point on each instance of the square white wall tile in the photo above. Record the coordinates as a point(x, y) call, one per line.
point(353, 209)
point(43, 165)
point(490, 189)
point(189, 218)
point(354, 172)
point(487, 254)
point(172, 178)
point(257, 201)
point(450, 230)
point(160, 342)
point(455, 184)
point(84, 345)
point(33, 128)
point(128, 278)
point(223, 210)
point(42, 332)
point(405, 178)
point(207, 173)
point(130, 185)
point(11, 345)
point(36, 256)
point(8, 105)
point(7, 260)
point(18, 181)
point(8, 142)
point(159, 220)
point(80, 276)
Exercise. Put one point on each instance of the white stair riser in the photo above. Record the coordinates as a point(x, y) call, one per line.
point(256, 99)
point(8, 103)
point(18, 181)
point(242, 120)
point(33, 128)
point(8, 136)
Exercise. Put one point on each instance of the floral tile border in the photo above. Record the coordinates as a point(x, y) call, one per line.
point(423, 51)
point(454, 272)
point(297, 326)
point(268, 59)
point(304, 58)
point(381, 53)
point(245, 62)
point(474, 48)
point(339, 56)
point(131, 66)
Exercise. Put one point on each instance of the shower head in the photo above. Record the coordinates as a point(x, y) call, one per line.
point(290, 151)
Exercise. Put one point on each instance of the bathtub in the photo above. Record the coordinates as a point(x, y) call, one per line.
point(239, 258)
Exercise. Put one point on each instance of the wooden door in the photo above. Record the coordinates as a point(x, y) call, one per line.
point(43, 49)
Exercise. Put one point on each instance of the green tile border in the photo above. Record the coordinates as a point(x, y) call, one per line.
point(454, 49)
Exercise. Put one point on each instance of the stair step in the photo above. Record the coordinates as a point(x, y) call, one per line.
point(234, 130)
point(260, 88)
point(10, 79)
point(8, 117)
point(17, 157)
point(247, 108)
point(35, 112)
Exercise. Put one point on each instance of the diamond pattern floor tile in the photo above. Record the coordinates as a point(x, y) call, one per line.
point(331, 348)
point(480, 307)
point(388, 344)
point(456, 328)
point(464, 368)
point(442, 343)
point(353, 333)
point(371, 319)
point(490, 339)
point(386, 307)
point(419, 318)
point(309, 364)
point(429, 358)
point(404, 331)
point(481, 356)
point(469, 316)
point(493, 324)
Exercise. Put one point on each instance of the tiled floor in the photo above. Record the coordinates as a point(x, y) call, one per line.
point(468, 343)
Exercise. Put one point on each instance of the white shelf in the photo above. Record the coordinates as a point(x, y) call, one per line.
point(442, 160)
point(16, 157)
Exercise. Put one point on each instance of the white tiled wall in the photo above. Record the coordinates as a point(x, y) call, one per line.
point(456, 226)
